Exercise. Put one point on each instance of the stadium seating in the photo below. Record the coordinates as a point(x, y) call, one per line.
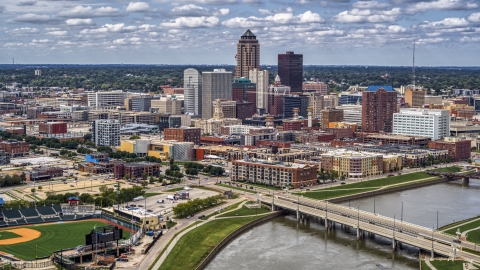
point(68, 217)
point(12, 214)
point(34, 220)
point(20, 221)
point(29, 212)
point(46, 211)
point(12, 222)
point(57, 208)
point(3, 223)
point(52, 219)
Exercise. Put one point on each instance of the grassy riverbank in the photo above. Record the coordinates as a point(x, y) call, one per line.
point(195, 245)
point(365, 186)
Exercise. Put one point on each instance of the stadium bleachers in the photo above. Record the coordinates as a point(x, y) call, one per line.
point(3, 223)
point(12, 214)
point(52, 219)
point(29, 212)
point(34, 220)
point(20, 221)
point(46, 211)
point(57, 208)
point(12, 222)
point(68, 217)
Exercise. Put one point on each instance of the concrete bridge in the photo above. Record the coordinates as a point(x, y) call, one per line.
point(365, 222)
point(452, 176)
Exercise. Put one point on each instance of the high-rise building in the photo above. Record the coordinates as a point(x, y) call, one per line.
point(260, 79)
point(315, 101)
point(248, 54)
point(107, 99)
point(331, 115)
point(276, 97)
point(106, 132)
point(192, 87)
point(290, 69)
point(295, 101)
point(167, 106)
point(330, 101)
point(216, 85)
point(415, 98)
point(434, 124)
point(379, 103)
point(351, 98)
point(139, 104)
point(244, 90)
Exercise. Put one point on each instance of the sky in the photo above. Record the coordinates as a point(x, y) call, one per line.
point(326, 32)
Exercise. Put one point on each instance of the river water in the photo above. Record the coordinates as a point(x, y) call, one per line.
point(282, 243)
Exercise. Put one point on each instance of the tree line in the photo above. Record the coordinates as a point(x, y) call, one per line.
point(191, 207)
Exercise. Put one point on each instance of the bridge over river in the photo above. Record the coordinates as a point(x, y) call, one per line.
point(365, 222)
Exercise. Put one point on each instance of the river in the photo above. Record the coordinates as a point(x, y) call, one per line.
point(282, 243)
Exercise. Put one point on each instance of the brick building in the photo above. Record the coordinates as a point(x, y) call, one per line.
point(183, 134)
point(52, 128)
point(244, 90)
point(275, 173)
point(15, 148)
point(379, 103)
point(43, 173)
point(458, 149)
point(331, 115)
point(245, 109)
point(290, 69)
point(135, 170)
point(292, 125)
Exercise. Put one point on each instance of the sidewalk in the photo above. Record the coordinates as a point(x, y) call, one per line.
point(167, 236)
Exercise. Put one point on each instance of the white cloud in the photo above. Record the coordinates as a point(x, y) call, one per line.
point(191, 22)
point(26, 3)
point(446, 23)
point(110, 28)
point(203, 2)
point(277, 19)
point(35, 19)
point(89, 12)
point(57, 33)
point(192, 10)
point(77, 22)
point(424, 6)
point(137, 7)
point(474, 17)
point(370, 5)
point(24, 31)
point(368, 16)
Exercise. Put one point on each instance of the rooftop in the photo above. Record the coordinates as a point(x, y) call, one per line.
point(248, 33)
point(274, 163)
point(374, 88)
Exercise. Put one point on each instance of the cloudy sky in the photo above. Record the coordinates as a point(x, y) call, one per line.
point(327, 32)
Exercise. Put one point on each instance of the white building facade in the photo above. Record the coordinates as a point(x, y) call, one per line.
point(434, 124)
point(107, 99)
point(106, 132)
point(260, 79)
point(192, 87)
point(215, 85)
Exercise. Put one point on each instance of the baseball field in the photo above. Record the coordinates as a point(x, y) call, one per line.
point(29, 242)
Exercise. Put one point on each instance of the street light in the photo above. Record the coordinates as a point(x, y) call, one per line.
point(401, 217)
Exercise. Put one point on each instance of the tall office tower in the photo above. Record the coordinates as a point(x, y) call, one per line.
point(276, 97)
point(434, 124)
point(415, 98)
point(106, 132)
point(248, 54)
point(379, 103)
point(217, 84)
point(244, 90)
point(290, 69)
point(192, 85)
point(295, 101)
point(260, 79)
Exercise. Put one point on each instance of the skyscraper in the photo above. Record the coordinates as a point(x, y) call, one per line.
point(192, 85)
point(248, 54)
point(290, 69)
point(260, 79)
point(216, 85)
point(106, 132)
point(379, 103)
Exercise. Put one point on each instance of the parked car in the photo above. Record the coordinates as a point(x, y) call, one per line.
point(201, 216)
point(457, 240)
point(150, 210)
point(122, 260)
point(342, 183)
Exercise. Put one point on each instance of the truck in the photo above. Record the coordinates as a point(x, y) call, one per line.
point(187, 188)
point(139, 198)
point(171, 197)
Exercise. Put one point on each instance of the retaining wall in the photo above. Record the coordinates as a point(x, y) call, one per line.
point(234, 234)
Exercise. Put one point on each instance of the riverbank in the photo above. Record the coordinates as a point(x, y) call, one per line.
point(198, 246)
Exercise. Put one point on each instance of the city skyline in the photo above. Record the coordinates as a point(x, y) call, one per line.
point(193, 32)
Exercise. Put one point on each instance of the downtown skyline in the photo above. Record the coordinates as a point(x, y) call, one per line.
point(341, 32)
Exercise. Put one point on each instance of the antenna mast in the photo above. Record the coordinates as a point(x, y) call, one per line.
point(413, 66)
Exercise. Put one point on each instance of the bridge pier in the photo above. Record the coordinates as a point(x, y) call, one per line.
point(359, 233)
point(298, 215)
point(394, 244)
point(326, 224)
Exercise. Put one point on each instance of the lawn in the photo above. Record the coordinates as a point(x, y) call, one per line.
point(447, 265)
point(228, 208)
point(468, 226)
point(261, 186)
point(452, 169)
point(244, 211)
point(53, 237)
point(425, 266)
point(8, 235)
point(152, 194)
point(195, 245)
point(364, 186)
point(175, 189)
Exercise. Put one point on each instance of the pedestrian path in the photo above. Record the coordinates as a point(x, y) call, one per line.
point(427, 261)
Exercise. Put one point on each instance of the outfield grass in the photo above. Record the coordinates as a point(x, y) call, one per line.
point(447, 265)
point(244, 211)
point(364, 186)
point(4, 235)
point(453, 169)
point(53, 237)
point(468, 226)
point(195, 245)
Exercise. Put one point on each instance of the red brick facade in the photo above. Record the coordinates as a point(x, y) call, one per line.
point(459, 151)
point(378, 108)
point(15, 148)
point(183, 134)
point(52, 128)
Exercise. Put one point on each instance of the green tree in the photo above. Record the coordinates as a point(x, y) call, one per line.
point(40, 188)
point(134, 137)
point(144, 175)
point(469, 161)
